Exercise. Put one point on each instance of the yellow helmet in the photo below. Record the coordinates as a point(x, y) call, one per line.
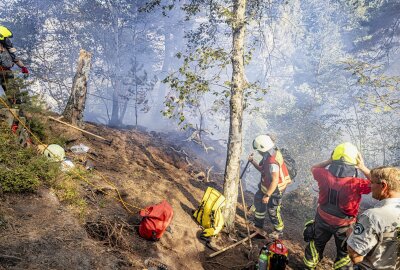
point(5, 33)
point(54, 152)
point(345, 152)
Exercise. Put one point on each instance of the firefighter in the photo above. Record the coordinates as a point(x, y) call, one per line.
point(374, 241)
point(340, 193)
point(7, 60)
point(274, 179)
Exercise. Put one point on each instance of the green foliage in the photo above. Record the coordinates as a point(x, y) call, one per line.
point(17, 89)
point(203, 71)
point(378, 91)
point(38, 128)
point(21, 169)
point(33, 104)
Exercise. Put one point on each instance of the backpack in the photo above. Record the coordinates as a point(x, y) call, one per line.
point(290, 162)
point(156, 219)
point(209, 212)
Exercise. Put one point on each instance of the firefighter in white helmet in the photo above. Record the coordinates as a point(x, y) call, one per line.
point(274, 179)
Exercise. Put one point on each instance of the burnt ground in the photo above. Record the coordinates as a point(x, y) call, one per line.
point(44, 231)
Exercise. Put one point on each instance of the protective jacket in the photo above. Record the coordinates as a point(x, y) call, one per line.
point(266, 176)
point(339, 198)
point(6, 44)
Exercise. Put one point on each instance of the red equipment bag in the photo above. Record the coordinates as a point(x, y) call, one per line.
point(277, 255)
point(156, 219)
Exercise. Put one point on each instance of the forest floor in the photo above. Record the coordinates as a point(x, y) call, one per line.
point(42, 231)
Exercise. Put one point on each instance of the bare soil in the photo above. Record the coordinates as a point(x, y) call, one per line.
point(38, 231)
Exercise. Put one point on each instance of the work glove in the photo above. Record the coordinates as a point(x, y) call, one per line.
point(25, 71)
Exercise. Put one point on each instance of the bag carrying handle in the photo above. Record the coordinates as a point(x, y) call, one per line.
point(275, 241)
point(280, 242)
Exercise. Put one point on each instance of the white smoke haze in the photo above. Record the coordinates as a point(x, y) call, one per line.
point(301, 52)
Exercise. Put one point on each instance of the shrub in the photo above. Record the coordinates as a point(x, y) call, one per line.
point(22, 169)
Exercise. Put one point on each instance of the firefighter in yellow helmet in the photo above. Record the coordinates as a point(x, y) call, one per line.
point(7, 60)
point(339, 197)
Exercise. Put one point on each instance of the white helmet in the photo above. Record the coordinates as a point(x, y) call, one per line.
point(263, 143)
point(54, 152)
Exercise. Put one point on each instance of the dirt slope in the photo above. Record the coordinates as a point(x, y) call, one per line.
point(37, 231)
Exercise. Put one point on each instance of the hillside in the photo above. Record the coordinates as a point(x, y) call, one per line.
point(50, 229)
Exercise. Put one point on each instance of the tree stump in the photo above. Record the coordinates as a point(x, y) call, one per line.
point(76, 104)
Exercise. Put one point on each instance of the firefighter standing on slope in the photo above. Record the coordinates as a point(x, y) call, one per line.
point(339, 198)
point(274, 179)
point(7, 60)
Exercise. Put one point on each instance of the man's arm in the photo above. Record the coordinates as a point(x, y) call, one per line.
point(322, 164)
point(255, 164)
point(11, 50)
point(360, 165)
point(362, 238)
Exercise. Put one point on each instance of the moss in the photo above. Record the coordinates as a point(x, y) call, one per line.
point(68, 190)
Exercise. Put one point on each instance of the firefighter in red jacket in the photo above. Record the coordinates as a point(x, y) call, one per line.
point(274, 179)
point(340, 193)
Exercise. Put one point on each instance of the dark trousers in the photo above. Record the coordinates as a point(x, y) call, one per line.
point(315, 248)
point(5, 77)
point(273, 208)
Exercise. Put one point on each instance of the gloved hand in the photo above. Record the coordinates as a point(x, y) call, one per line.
point(251, 157)
point(24, 70)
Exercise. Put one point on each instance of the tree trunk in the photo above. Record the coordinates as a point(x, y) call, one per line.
point(114, 122)
point(73, 112)
point(136, 99)
point(116, 67)
point(232, 169)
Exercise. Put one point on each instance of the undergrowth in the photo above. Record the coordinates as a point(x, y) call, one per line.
point(68, 189)
point(300, 203)
point(22, 169)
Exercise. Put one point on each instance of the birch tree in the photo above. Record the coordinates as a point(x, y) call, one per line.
point(216, 46)
point(231, 178)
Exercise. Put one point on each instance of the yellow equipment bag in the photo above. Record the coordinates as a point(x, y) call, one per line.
point(209, 214)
